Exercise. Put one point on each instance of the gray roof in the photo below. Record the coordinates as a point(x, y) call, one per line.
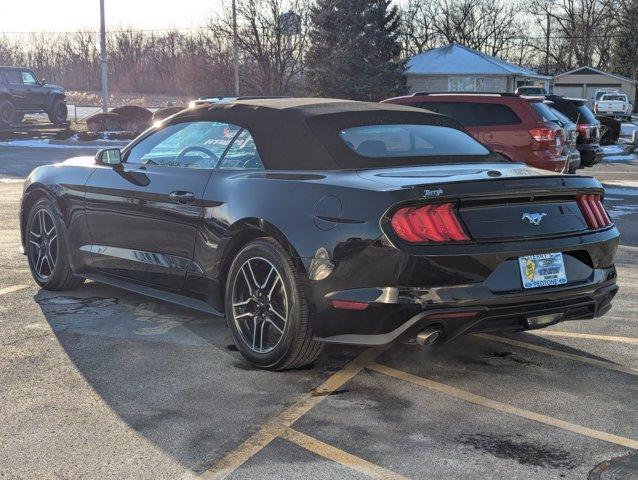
point(455, 59)
point(594, 71)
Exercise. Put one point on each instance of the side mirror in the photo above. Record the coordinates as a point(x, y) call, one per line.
point(43, 82)
point(109, 156)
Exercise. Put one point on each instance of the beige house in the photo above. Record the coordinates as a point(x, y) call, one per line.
point(457, 68)
point(584, 81)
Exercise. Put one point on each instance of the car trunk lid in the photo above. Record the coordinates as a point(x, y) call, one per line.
point(526, 217)
point(498, 203)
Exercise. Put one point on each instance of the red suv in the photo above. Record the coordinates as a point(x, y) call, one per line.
point(507, 123)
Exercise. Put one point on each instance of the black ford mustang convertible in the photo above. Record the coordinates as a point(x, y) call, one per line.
point(306, 221)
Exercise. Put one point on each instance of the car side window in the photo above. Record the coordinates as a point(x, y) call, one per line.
point(187, 145)
point(242, 154)
point(464, 112)
point(495, 114)
point(28, 78)
point(13, 77)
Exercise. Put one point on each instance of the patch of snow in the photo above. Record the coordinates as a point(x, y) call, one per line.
point(613, 149)
point(619, 158)
point(11, 180)
point(629, 192)
point(616, 211)
point(621, 183)
point(458, 59)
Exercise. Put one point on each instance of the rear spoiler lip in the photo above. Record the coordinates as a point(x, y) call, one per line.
point(507, 187)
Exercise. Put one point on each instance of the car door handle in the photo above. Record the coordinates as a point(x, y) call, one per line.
point(182, 197)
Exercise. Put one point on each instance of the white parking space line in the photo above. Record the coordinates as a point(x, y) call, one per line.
point(558, 353)
point(13, 288)
point(277, 426)
point(587, 336)
point(502, 407)
point(339, 456)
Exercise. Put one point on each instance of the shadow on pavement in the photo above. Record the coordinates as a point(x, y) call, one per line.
point(171, 373)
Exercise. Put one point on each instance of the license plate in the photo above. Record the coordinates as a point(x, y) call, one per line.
point(544, 270)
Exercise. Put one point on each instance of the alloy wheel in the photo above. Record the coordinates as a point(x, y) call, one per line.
point(260, 304)
point(61, 112)
point(6, 114)
point(43, 242)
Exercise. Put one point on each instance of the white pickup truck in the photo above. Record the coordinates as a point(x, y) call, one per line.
point(615, 105)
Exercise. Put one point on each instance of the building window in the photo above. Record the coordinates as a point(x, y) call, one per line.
point(466, 84)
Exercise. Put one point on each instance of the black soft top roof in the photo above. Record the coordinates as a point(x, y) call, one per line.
point(303, 133)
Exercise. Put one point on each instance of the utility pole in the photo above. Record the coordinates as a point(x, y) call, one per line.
point(235, 49)
point(547, 45)
point(103, 61)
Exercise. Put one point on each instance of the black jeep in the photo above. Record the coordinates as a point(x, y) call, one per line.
point(21, 92)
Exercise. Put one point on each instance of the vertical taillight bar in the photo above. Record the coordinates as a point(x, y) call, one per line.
point(592, 208)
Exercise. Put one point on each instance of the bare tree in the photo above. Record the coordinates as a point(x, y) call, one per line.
point(271, 48)
point(485, 25)
point(495, 27)
point(418, 27)
point(581, 31)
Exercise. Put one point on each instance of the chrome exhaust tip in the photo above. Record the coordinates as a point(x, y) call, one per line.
point(428, 336)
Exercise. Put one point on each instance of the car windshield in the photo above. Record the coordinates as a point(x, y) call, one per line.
point(562, 118)
point(599, 95)
point(585, 115)
point(545, 112)
point(607, 98)
point(383, 141)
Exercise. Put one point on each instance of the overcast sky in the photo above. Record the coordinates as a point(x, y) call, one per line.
point(70, 15)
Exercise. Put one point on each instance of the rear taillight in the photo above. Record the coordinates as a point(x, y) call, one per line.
point(593, 211)
point(543, 134)
point(584, 130)
point(548, 138)
point(429, 223)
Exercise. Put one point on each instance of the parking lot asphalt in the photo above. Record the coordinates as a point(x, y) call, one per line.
point(101, 383)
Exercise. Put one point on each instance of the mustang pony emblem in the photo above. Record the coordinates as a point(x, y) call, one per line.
point(534, 218)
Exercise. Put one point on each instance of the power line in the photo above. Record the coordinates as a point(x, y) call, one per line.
point(111, 30)
point(191, 29)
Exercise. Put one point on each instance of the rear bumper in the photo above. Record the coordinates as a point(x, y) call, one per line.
point(402, 291)
point(573, 161)
point(511, 315)
point(545, 160)
point(590, 154)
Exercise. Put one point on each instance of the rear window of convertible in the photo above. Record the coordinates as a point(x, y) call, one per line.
point(384, 141)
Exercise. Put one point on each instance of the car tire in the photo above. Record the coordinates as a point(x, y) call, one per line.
point(264, 298)
point(46, 246)
point(7, 112)
point(58, 112)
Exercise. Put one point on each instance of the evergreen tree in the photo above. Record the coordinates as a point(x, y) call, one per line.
point(354, 50)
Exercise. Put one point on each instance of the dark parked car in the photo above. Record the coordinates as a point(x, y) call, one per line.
point(588, 141)
point(22, 93)
point(308, 221)
point(506, 123)
point(549, 114)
